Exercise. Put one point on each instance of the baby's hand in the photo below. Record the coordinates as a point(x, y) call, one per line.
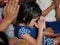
point(41, 23)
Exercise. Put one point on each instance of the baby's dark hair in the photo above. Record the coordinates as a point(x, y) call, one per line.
point(27, 12)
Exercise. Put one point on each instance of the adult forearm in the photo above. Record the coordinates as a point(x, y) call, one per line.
point(50, 35)
point(57, 13)
point(4, 24)
point(10, 13)
point(45, 12)
point(39, 37)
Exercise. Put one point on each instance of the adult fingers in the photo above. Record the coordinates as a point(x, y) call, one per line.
point(17, 9)
point(13, 3)
point(16, 4)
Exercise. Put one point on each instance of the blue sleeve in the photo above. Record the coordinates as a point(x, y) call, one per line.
point(23, 31)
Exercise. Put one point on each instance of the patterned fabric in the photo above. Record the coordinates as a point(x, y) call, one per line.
point(47, 41)
point(44, 40)
point(50, 41)
point(23, 31)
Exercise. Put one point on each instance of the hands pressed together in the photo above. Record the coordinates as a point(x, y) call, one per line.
point(41, 23)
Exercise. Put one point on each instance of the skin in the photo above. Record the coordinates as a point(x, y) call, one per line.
point(9, 21)
point(10, 13)
point(3, 2)
point(40, 27)
point(57, 2)
point(49, 31)
point(45, 12)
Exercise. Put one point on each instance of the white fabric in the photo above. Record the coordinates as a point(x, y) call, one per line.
point(10, 31)
point(44, 4)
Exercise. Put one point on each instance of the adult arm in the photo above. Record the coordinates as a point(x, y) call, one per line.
point(50, 35)
point(57, 9)
point(10, 13)
point(38, 40)
point(45, 12)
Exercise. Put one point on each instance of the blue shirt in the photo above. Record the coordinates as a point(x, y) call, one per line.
point(24, 29)
point(54, 25)
point(33, 32)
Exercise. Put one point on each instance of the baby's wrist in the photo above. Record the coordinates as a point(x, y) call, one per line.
point(40, 28)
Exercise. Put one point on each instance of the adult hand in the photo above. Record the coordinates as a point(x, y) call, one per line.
point(11, 10)
point(57, 2)
point(9, 13)
point(54, 5)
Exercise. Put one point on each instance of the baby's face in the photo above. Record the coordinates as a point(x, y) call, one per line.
point(34, 21)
